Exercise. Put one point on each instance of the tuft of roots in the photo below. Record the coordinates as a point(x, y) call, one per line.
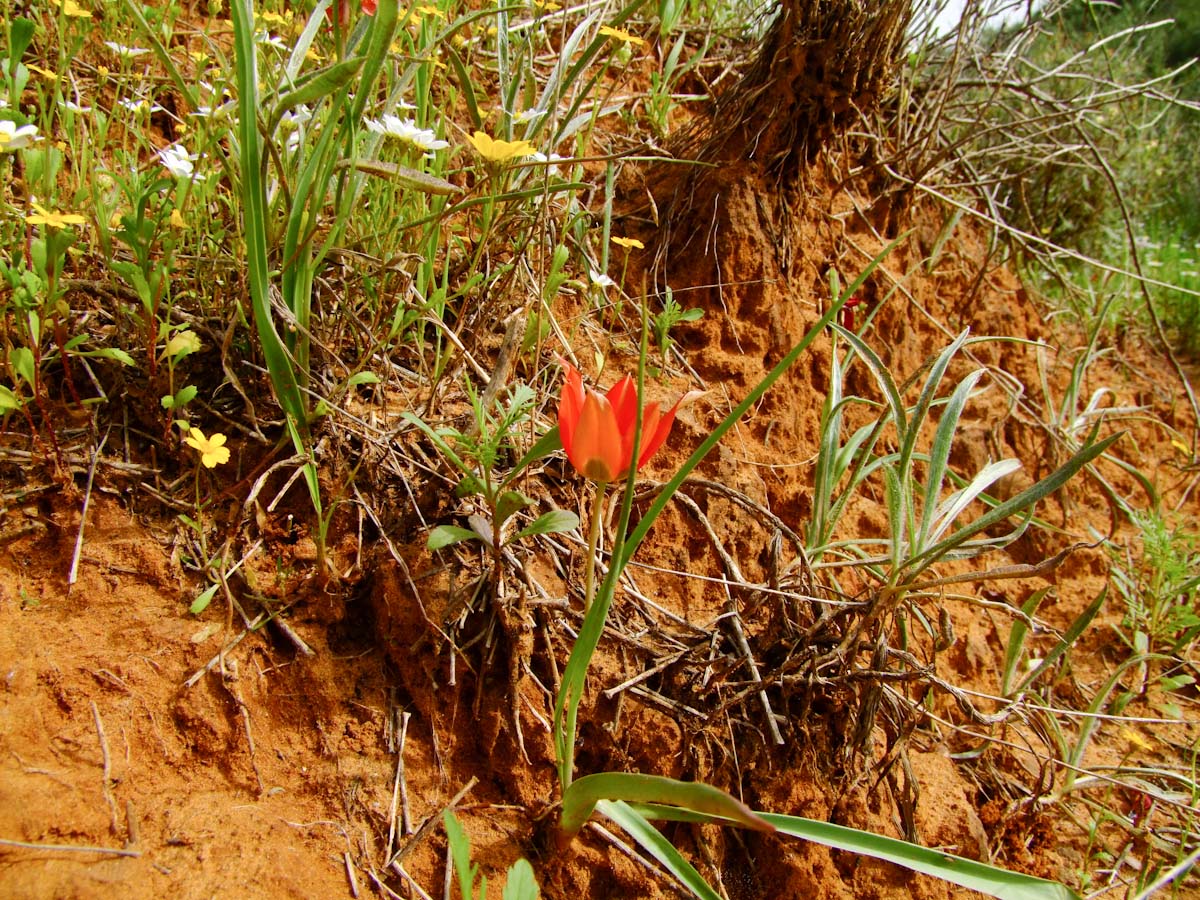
point(822, 66)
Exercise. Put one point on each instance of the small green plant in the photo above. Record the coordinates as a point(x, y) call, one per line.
point(667, 318)
point(661, 99)
point(520, 883)
point(1160, 587)
point(484, 454)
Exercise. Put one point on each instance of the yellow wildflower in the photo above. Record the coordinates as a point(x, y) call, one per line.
point(629, 243)
point(1137, 739)
point(71, 9)
point(212, 450)
point(546, 6)
point(618, 34)
point(45, 73)
point(431, 11)
point(182, 343)
point(177, 219)
point(496, 150)
point(50, 219)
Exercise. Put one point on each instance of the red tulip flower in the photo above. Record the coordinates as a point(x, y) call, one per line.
point(597, 429)
point(847, 313)
point(342, 10)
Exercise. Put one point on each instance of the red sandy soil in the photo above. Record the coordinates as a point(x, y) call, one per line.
point(280, 774)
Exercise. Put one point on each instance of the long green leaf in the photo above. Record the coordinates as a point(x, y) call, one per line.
point(964, 872)
point(582, 796)
point(254, 203)
point(1020, 503)
point(651, 840)
point(939, 452)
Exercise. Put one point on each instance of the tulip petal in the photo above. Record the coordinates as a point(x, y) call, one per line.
point(569, 407)
point(596, 444)
point(655, 428)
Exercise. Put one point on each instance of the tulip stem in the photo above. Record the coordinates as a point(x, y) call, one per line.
point(589, 590)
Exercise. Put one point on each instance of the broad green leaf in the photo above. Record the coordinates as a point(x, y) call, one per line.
point(200, 604)
point(405, 177)
point(510, 503)
point(460, 852)
point(581, 797)
point(9, 402)
point(21, 360)
point(552, 522)
point(109, 353)
point(362, 378)
point(521, 884)
point(964, 872)
point(1016, 640)
point(445, 535)
point(967, 873)
point(317, 86)
point(548, 443)
point(939, 453)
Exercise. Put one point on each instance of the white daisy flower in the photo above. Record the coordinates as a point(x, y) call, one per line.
point(125, 52)
point(13, 137)
point(266, 39)
point(178, 161)
point(406, 130)
point(600, 280)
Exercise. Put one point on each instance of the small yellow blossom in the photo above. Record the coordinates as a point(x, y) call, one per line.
point(71, 9)
point(102, 72)
point(177, 219)
point(629, 243)
point(273, 19)
point(50, 219)
point(213, 451)
point(182, 343)
point(114, 221)
point(45, 73)
point(618, 34)
point(496, 150)
point(431, 11)
point(1137, 739)
point(546, 6)
point(313, 56)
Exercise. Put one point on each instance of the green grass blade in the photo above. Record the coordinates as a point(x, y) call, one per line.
point(964, 872)
point(1023, 501)
point(254, 204)
point(1016, 641)
point(584, 794)
point(925, 401)
point(939, 453)
point(651, 840)
point(1077, 627)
